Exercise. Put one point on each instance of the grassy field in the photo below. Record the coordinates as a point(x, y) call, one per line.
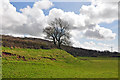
point(55, 63)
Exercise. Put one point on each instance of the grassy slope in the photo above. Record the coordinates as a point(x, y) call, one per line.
point(65, 65)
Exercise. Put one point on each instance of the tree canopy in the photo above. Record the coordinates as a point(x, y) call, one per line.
point(58, 31)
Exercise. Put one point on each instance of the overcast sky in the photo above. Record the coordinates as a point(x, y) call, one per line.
point(94, 25)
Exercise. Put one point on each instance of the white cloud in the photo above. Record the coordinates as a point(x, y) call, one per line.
point(76, 21)
point(9, 15)
point(101, 12)
point(44, 4)
point(76, 34)
point(31, 21)
point(99, 33)
point(94, 46)
point(10, 18)
point(36, 19)
point(85, 22)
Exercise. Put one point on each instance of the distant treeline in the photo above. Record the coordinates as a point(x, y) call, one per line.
point(36, 43)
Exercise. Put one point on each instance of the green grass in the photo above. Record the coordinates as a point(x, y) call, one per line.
point(58, 54)
point(65, 65)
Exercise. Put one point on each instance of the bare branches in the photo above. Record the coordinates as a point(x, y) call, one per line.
point(58, 31)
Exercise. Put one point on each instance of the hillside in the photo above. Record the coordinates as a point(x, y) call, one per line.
point(35, 43)
point(54, 63)
point(20, 54)
point(37, 58)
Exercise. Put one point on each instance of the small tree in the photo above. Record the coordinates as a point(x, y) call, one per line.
point(58, 31)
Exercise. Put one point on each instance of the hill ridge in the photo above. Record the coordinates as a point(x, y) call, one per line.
point(37, 43)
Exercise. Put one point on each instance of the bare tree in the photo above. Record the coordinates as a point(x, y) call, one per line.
point(58, 31)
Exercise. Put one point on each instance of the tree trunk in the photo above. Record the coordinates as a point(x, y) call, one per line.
point(59, 43)
point(54, 41)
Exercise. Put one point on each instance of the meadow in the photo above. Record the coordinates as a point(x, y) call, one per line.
point(55, 63)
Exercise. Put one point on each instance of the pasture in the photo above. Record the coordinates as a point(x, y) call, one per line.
point(55, 63)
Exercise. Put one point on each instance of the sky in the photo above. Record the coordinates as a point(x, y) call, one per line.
point(94, 25)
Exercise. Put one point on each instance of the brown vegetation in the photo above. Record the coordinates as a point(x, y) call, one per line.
point(23, 57)
point(35, 43)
